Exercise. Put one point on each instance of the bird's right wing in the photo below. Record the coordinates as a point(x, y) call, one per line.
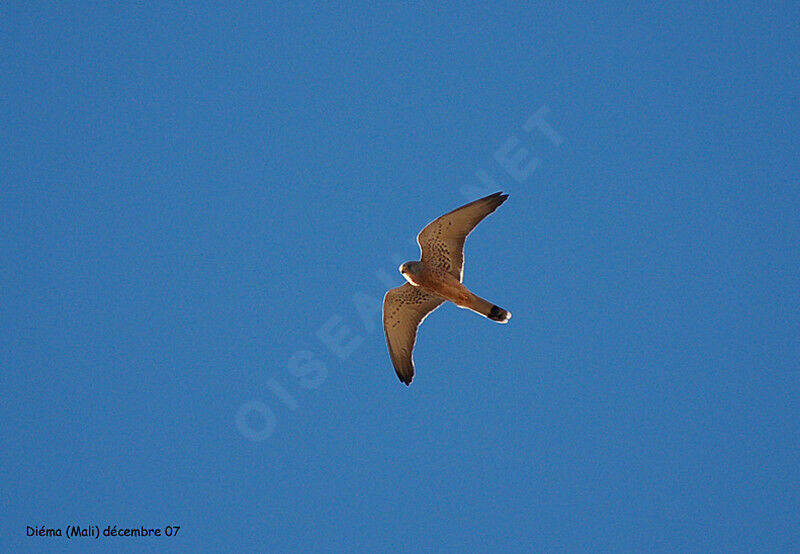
point(404, 308)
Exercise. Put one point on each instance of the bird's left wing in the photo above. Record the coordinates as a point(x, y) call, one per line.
point(404, 308)
point(442, 240)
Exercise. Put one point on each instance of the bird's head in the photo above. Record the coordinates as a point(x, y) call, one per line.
point(409, 270)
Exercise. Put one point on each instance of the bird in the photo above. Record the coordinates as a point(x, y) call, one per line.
point(435, 278)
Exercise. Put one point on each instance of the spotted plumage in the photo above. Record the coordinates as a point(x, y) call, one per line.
point(435, 278)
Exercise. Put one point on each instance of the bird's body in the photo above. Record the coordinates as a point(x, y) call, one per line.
point(433, 280)
point(439, 282)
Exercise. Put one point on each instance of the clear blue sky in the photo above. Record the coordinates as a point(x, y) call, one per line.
point(202, 208)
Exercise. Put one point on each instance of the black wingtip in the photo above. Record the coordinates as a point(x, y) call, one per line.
point(500, 195)
point(407, 381)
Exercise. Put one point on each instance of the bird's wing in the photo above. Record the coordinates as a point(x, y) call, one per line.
point(404, 308)
point(442, 240)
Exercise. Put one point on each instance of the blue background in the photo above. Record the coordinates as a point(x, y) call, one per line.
point(189, 194)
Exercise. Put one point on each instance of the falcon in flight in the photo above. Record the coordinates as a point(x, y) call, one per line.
point(434, 279)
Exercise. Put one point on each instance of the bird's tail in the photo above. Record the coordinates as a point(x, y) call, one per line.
point(487, 309)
